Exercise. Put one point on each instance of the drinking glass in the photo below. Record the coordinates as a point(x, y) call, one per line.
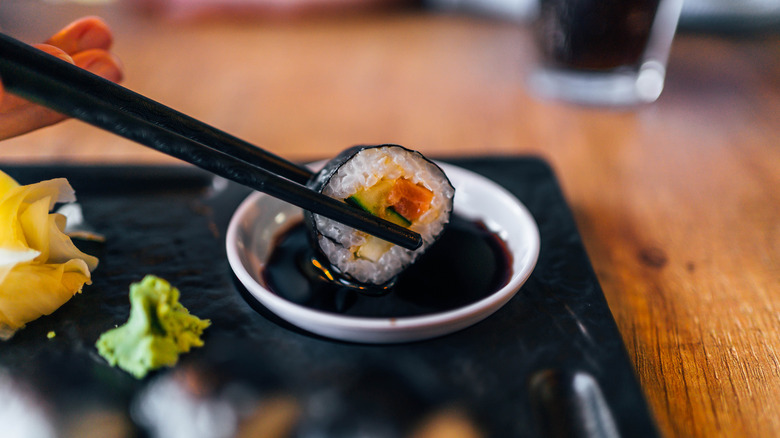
point(604, 52)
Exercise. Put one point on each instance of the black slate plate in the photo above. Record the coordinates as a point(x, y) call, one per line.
point(549, 363)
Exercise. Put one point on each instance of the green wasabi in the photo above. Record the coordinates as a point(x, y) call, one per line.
point(158, 330)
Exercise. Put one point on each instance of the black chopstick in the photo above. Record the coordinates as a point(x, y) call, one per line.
point(63, 87)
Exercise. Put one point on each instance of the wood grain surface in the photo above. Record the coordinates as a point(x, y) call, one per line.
point(678, 201)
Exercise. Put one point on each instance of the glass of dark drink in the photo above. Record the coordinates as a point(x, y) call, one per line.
point(604, 52)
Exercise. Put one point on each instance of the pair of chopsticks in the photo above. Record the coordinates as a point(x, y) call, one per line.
point(65, 88)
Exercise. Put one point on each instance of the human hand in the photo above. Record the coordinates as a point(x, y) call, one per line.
point(85, 43)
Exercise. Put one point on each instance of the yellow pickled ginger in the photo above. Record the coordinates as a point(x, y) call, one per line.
point(40, 267)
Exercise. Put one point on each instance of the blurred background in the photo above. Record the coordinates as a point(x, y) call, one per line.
point(307, 78)
point(676, 200)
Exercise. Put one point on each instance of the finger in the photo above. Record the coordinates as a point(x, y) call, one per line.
point(27, 118)
point(101, 63)
point(97, 61)
point(83, 34)
point(54, 51)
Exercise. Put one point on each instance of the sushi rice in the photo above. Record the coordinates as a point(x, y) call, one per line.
point(363, 167)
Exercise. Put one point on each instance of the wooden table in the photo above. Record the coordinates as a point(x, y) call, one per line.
point(678, 202)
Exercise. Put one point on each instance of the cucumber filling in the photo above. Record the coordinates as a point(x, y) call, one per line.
point(384, 199)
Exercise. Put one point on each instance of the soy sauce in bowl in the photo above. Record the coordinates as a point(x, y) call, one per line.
point(466, 264)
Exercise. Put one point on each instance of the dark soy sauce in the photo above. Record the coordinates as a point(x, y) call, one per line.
point(466, 264)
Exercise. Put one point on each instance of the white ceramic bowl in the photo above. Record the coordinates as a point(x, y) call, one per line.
point(260, 218)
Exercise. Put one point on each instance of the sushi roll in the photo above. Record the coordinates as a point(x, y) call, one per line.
point(389, 181)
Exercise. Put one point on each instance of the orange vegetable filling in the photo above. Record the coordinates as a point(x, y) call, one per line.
point(410, 200)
